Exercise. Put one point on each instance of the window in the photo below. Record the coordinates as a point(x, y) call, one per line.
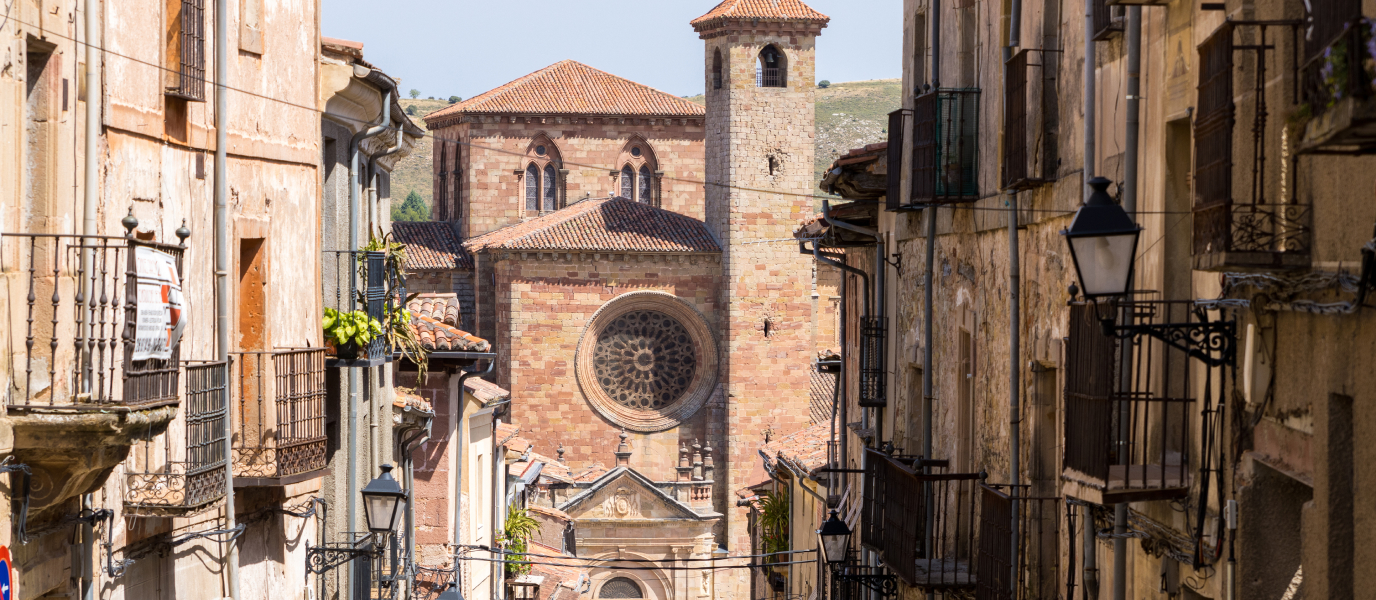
point(532, 188)
point(773, 68)
point(620, 587)
point(549, 189)
point(646, 194)
point(441, 184)
point(627, 182)
point(185, 52)
point(716, 69)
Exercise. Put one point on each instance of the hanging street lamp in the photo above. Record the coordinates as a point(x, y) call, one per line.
point(383, 502)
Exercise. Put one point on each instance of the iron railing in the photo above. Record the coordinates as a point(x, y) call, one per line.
point(1250, 231)
point(770, 76)
point(188, 80)
point(1108, 20)
point(945, 148)
point(1021, 132)
point(898, 122)
point(279, 415)
point(1128, 415)
point(873, 374)
point(1038, 558)
point(182, 471)
point(1339, 63)
point(895, 519)
point(78, 320)
point(362, 281)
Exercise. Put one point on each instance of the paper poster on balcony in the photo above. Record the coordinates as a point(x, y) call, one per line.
point(161, 307)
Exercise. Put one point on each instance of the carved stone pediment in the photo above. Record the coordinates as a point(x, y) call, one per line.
point(623, 494)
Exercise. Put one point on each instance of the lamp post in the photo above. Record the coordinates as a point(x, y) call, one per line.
point(384, 501)
point(834, 541)
point(1103, 246)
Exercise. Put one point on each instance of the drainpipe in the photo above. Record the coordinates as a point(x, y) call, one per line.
point(406, 447)
point(1014, 316)
point(497, 507)
point(91, 200)
point(375, 203)
point(88, 548)
point(458, 463)
point(1091, 568)
point(222, 263)
point(1134, 85)
point(374, 129)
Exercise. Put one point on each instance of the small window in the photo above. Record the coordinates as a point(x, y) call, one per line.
point(773, 68)
point(184, 74)
point(627, 182)
point(620, 587)
point(635, 151)
point(646, 193)
point(549, 189)
point(716, 70)
point(532, 188)
point(540, 150)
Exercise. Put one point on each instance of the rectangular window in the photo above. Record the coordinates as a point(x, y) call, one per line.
point(965, 412)
point(185, 51)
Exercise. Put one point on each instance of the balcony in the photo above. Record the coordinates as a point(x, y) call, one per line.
point(182, 471)
point(895, 520)
point(1024, 134)
point(873, 374)
point(1338, 78)
point(84, 383)
point(1257, 232)
point(945, 149)
point(1108, 20)
point(362, 281)
point(1038, 562)
point(279, 406)
point(1128, 409)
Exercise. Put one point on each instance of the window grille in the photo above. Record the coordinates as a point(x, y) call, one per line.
point(532, 189)
point(872, 355)
point(549, 189)
point(161, 481)
point(945, 148)
point(1020, 131)
point(627, 182)
point(1108, 20)
point(646, 186)
point(280, 414)
point(187, 81)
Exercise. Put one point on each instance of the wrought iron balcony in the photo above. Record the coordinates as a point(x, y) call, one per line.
point(182, 471)
point(1024, 140)
point(1129, 410)
point(1339, 81)
point(362, 281)
point(1038, 560)
point(279, 435)
point(1108, 20)
point(945, 148)
point(1258, 232)
point(898, 125)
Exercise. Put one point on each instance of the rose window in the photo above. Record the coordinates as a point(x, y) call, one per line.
point(644, 360)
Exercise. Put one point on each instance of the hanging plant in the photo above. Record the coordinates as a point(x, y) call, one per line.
point(348, 332)
point(398, 331)
point(774, 525)
point(516, 534)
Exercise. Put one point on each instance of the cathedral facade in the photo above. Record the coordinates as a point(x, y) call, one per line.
point(624, 253)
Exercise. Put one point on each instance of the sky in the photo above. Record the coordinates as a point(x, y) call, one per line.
point(465, 47)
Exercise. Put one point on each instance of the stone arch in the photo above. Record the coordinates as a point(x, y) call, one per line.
point(771, 68)
point(546, 192)
point(639, 157)
point(654, 584)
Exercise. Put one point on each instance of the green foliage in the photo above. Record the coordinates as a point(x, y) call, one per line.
point(411, 110)
point(774, 523)
point(516, 534)
point(401, 336)
point(824, 84)
point(455, 99)
point(354, 329)
point(413, 209)
point(415, 94)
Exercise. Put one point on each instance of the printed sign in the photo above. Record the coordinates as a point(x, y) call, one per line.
point(161, 309)
point(7, 581)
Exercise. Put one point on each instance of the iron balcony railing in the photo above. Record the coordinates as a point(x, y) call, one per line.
point(1037, 572)
point(945, 148)
point(1023, 131)
point(770, 76)
point(1108, 20)
point(279, 416)
point(362, 281)
point(898, 124)
point(1340, 65)
point(74, 310)
point(1260, 231)
point(182, 471)
point(873, 384)
point(188, 80)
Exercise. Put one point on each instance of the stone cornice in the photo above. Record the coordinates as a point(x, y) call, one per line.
point(691, 258)
point(720, 27)
point(633, 120)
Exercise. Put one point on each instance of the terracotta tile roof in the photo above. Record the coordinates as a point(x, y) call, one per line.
point(805, 449)
point(485, 390)
point(406, 397)
point(506, 431)
point(571, 88)
point(606, 224)
point(437, 336)
point(591, 473)
point(768, 10)
point(552, 512)
point(431, 245)
point(440, 307)
point(821, 393)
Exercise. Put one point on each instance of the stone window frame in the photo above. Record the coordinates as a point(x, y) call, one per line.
point(553, 157)
point(704, 376)
point(646, 163)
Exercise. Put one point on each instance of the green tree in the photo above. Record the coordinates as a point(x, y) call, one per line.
point(415, 94)
point(413, 209)
point(411, 110)
point(824, 84)
point(455, 99)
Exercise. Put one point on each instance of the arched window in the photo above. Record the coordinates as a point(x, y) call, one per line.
point(532, 188)
point(620, 587)
point(442, 185)
point(627, 182)
point(549, 188)
point(716, 70)
point(773, 68)
point(646, 185)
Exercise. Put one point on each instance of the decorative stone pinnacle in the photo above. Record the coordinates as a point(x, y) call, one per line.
point(623, 450)
point(561, 453)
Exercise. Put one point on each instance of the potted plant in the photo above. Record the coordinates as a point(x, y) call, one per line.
point(774, 523)
point(516, 533)
point(347, 334)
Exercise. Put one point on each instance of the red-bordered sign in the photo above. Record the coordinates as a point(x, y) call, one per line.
point(7, 580)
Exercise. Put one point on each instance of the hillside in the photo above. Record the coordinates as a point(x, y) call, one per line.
point(849, 115)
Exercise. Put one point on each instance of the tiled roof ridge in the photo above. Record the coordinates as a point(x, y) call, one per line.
point(773, 10)
point(596, 87)
point(519, 230)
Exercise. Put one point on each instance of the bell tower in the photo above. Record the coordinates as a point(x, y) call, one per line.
point(760, 58)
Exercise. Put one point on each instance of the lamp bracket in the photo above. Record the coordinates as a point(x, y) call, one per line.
point(322, 559)
point(872, 578)
point(1212, 342)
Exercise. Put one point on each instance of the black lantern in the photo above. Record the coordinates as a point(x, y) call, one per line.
point(383, 499)
point(1103, 244)
point(834, 538)
point(451, 593)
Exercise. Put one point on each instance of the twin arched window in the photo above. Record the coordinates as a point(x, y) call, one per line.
point(541, 188)
point(637, 185)
point(773, 68)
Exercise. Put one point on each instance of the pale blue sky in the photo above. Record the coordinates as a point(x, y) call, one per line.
point(466, 47)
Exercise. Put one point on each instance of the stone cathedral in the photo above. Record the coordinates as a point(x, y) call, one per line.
point(621, 252)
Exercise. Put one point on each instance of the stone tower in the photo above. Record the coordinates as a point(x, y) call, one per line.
point(759, 148)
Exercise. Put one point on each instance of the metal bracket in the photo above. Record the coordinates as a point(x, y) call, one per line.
point(322, 559)
point(1212, 342)
point(872, 578)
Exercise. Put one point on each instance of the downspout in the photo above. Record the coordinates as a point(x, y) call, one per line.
point(1091, 568)
point(407, 446)
point(498, 508)
point(375, 128)
point(91, 200)
point(1134, 86)
point(458, 464)
point(927, 307)
point(1014, 316)
point(375, 204)
point(222, 264)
